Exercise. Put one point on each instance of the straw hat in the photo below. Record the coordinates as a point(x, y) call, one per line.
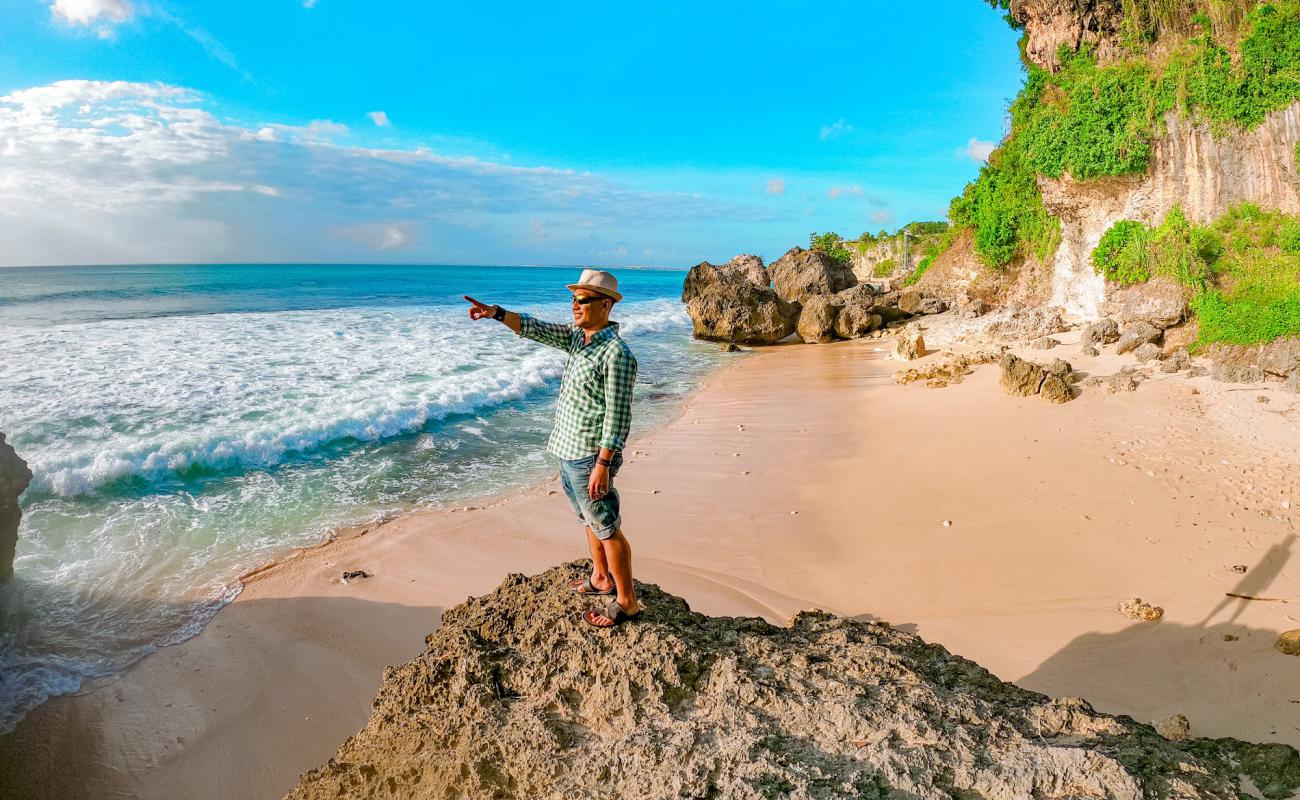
point(598, 281)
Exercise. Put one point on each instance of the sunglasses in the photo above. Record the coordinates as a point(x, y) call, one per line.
point(582, 301)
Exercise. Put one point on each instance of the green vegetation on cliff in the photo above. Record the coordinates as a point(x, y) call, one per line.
point(1243, 270)
point(832, 245)
point(1218, 63)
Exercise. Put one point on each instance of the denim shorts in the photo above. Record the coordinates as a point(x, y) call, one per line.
point(599, 515)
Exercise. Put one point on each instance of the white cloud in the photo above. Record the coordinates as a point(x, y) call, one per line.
point(308, 3)
point(113, 172)
point(837, 128)
point(882, 216)
point(89, 12)
point(776, 186)
point(977, 150)
point(379, 236)
point(379, 118)
point(835, 192)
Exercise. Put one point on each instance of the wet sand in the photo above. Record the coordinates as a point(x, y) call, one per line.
point(801, 476)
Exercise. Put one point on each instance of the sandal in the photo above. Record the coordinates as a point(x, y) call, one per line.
point(588, 587)
point(614, 612)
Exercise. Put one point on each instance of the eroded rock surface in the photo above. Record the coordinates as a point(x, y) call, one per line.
point(515, 696)
point(817, 319)
point(14, 477)
point(742, 270)
point(801, 273)
point(741, 313)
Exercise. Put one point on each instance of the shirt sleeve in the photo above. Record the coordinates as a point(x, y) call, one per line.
point(620, 377)
point(551, 334)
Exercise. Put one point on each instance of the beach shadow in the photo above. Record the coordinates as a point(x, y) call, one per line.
point(269, 689)
point(1223, 675)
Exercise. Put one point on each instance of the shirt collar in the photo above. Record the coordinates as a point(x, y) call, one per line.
point(607, 332)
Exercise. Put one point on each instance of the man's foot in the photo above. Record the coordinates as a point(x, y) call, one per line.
point(614, 614)
point(590, 586)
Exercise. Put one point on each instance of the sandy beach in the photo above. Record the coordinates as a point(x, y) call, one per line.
point(800, 476)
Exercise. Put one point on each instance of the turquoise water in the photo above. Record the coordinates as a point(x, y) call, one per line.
point(188, 423)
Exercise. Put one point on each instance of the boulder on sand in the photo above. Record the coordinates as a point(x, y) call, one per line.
point(1020, 377)
point(744, 314)
point(1160, 302)
point(909, 345)
point(1136, 335)
point(515, 696)
point(742, 270)
point(1103, 331)
point(801, 273)
point(817, 319)
point(856, 320)
point(14, 478)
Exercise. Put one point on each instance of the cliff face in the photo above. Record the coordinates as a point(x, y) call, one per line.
point(886, 255)
point(1051, 24)
point(1191, 167)
point(515, 696)
point(14, 477)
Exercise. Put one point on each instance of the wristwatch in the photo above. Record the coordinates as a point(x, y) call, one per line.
point(604, 462)
point(499, 314)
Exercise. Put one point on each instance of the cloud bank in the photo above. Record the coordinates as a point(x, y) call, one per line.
point(117, 172)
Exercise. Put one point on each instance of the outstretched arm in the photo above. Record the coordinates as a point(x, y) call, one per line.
point(551, 334)
point(478, 310)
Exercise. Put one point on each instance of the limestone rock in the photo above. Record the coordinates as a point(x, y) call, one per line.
point(741, 313)
point(1138, 609)
point(862, 293)
point(1160, 302)
point(1147, 352)
point(1103, 331)
point(801, 273)
point(1056, 389)
point(949, 369)
point(515, 696)
point(1175, 728)
point(971, 308)
point(1288, 644)
point(1050, 25)
point(743, 270)
point(1061, 368)
point(1176, 361)
point(932, 305)
point(1089, 350)
point(1236, 372)
point(817, 319)
point(1281, 357)
point(1044, 343)
point(1020, 377)
point(855, 321)
point(730, 347)
point(14, 478)
point(1123, 381)
point(1292, 384)
point(909, 345)
point(1136, 335)
point(1029, 322)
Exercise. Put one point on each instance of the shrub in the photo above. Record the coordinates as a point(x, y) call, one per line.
point(1121, 255)
point(919, 271)
point(832, 245)
point(885, 268)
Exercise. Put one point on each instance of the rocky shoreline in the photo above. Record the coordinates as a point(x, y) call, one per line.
point(514, 697)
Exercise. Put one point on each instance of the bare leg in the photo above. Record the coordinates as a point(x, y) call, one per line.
point(600, 577)
point(618, 554)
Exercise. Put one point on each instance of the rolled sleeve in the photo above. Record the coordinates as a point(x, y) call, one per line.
point(551, 334)
point(620, 377)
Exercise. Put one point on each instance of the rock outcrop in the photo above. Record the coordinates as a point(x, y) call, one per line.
point(801, 273)
point(856, 320)
point(736, 312)
point(817, 319)
point(1160, 302)
point(1052, 24)
point(515, 696)
point(742, 270)
point(14, 478)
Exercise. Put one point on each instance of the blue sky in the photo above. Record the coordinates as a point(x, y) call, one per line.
point(487, 132)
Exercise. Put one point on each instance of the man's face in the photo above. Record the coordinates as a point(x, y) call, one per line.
point(593, 313)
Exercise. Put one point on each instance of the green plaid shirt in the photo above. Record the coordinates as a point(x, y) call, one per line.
point(595, 405)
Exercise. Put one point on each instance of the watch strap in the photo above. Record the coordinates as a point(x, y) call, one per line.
point(499, 314)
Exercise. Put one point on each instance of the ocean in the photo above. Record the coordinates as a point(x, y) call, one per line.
point(186, 424)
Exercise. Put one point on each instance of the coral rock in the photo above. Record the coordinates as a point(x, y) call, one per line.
point(1139, 609)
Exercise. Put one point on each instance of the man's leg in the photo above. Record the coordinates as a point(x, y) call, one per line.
point(600, 577)
point(618, 555)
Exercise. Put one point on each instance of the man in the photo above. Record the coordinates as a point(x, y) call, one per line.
point(592, 417)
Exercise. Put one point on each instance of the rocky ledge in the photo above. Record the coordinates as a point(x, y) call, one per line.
point(515, 696)
point(14, 478)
